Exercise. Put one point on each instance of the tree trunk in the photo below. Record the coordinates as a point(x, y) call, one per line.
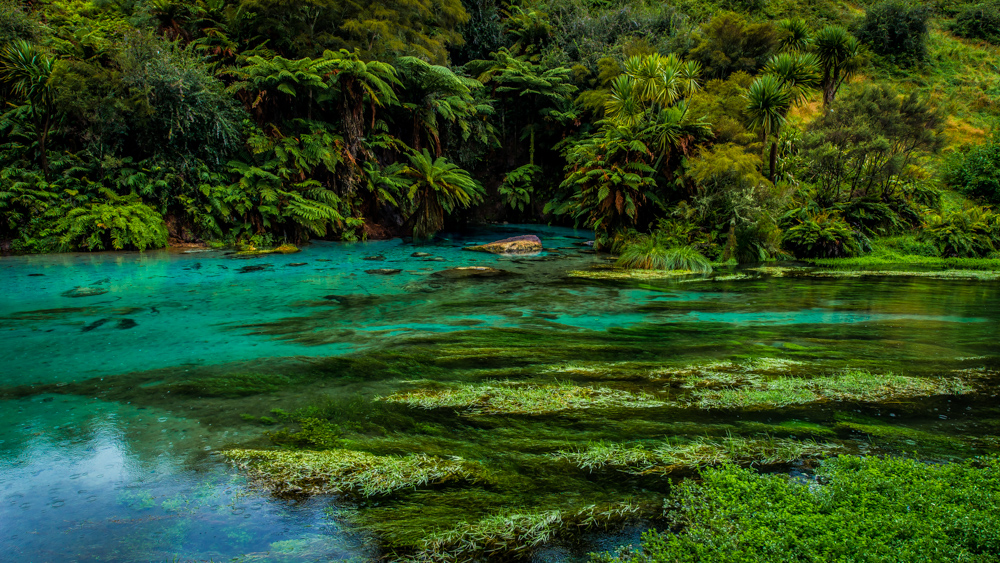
point(42, 139)
point(353, 132)
point(772, 171)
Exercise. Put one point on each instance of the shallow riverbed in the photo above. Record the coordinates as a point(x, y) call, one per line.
point(123, 375)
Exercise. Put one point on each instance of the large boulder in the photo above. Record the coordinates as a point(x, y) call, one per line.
point(526, 244)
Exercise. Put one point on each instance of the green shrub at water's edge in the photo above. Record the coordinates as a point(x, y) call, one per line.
point(648, 254)
point(866, 509)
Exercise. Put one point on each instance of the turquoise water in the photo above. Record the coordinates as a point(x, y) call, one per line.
point(98, 464)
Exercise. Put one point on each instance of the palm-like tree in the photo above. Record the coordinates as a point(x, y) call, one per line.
point(799, 72)
point(840, 56)
point(28, 73)
point(358, 82)
point(768, 102)
point(795, 35)
point(438, 187)
point(438, 93)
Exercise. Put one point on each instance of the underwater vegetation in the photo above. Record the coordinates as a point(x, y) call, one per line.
point(344, 471)
point(669, 456)
point(855, 385)
point(858, 509)
point(507, 397)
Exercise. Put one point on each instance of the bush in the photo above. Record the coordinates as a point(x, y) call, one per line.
point(896, 30)
point(648, 254)
point(968, 232)
point(869, 509)
point(818, 233)
point(118, 222)
point(976, 172)
point(981, 21)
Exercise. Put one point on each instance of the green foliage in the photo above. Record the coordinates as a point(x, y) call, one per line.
point(896, 30)
point(976, 172)
point(840, 57)
point(868, 509)
point(117, 222)
point(729, 43)
point(438, 187)
point(648, 253)
point(518, 185)
point(818, 233)
point(970, 232)
point(867, 145)
point(979, 21)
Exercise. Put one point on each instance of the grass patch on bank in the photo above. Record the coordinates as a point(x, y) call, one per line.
point(854, 385)
point(345, 471)
point(525, 399)
point(670, 456)
point(867, 509)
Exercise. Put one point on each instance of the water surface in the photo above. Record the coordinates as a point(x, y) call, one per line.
point(111, 420)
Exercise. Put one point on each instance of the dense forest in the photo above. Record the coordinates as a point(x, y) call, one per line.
point(680, 132)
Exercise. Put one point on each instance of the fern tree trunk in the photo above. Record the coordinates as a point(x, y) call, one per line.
point(353, 117)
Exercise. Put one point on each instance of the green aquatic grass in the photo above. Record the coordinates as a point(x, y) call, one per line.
point(231, 385)
point(345, 471)
point(854, 385)
point(514, 534)
point(866, 509)
point(623, 274)
point(669, 456)
point(508, 397)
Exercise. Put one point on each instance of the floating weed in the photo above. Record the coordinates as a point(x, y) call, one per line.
point(508, 397)
point(345, 471)
point(669, 456)
point(856, 385)
point(622, 274)
point(986, 275)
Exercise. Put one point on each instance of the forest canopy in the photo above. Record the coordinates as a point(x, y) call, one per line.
point(720, 129)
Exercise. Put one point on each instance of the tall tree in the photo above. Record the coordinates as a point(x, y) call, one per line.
point(840, 57)
point(28, 73)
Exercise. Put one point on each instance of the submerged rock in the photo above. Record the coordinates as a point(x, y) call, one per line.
point(84, 292)
point(472, 272)
point(384, 271)
point(420, 254)
point(246, 269)
point(294, 264)
point(525, 244)
point(434, 259)
point(374, 258)
point(96, 324)
point(125, 324)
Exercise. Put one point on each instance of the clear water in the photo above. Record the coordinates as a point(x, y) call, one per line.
point(99, 463)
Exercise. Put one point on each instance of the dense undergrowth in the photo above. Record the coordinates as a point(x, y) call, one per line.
point(700, 130)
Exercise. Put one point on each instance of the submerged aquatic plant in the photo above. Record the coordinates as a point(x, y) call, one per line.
point(345, 471)
point(514, 534)
point(854, 385)
point(669, 456)
point(508, 397)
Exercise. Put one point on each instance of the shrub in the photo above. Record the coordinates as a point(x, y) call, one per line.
point(981, 21)
point(649, 254)
point(896, 30)
point(869, 509)
point(965, 233)
point(118, 221)
point(818, 233)
point(976, 172)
